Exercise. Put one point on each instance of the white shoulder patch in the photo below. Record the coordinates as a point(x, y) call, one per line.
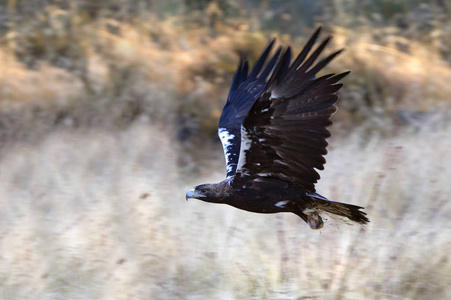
point(226, 140)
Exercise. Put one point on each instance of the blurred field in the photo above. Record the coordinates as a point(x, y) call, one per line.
point(108, 116)
point(102, 215)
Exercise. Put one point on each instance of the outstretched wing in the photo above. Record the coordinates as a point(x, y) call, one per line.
point(245, 90)
point(284, 134)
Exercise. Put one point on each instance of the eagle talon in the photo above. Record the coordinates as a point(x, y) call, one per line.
point(313, 218)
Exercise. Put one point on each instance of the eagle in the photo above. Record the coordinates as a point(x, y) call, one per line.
point(273, 129)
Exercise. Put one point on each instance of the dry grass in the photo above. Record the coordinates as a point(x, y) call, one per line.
point(104, 127)
point(101, 215)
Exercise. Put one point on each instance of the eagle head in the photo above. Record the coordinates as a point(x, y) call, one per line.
point(207, 192)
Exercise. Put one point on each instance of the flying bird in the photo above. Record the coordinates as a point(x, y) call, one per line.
point(273, 131)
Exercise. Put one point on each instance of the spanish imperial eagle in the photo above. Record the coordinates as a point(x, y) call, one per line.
point(273, 131)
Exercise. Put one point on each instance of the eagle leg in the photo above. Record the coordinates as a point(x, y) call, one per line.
point(313, 218)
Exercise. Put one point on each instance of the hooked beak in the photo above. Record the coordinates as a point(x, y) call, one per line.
point(194, 194)
point(189, 194)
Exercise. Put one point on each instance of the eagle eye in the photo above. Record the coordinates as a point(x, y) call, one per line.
point(203, 191)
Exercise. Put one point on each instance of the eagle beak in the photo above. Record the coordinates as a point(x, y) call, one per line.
point(189, 194)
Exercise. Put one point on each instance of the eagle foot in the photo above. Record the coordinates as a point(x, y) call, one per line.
point(313, 218)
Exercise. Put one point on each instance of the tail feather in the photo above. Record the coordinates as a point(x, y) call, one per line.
point(352, 212)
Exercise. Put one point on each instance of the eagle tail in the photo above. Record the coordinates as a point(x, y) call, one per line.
point(352, 212)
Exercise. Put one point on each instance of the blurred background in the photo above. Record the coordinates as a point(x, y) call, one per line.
point(108, 115)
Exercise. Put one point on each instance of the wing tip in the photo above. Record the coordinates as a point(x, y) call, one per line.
point(317, 32)
point(271, 42)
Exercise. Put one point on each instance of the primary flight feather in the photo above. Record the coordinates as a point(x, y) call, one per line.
point(273, 131)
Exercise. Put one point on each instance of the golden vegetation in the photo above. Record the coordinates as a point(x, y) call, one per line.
point(82, 69)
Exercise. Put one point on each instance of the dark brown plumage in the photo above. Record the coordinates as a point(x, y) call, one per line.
point(273, 130)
